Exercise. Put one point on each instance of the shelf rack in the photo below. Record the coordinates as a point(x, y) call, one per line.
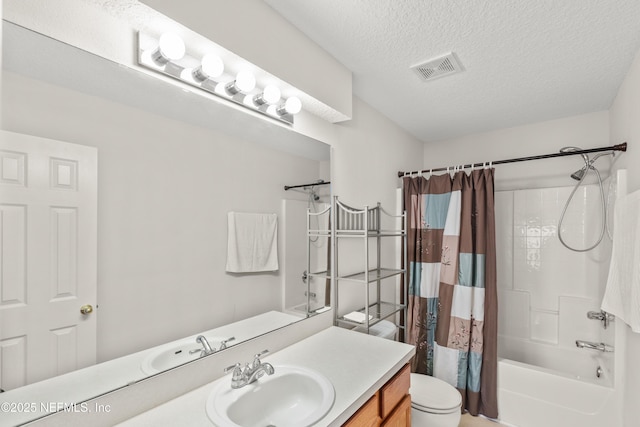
point(365, 224)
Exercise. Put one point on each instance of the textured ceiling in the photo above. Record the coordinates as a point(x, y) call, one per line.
point(524, 61)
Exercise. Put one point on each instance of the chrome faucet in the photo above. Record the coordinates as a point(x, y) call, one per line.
point(602, 316)
point(251, 372)
point(594, 346)
point(206, 347)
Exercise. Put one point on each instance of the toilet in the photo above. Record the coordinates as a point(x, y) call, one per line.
point(434, 403)
point(383, 329)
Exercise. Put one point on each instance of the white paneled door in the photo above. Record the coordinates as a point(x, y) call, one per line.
point(48, 245)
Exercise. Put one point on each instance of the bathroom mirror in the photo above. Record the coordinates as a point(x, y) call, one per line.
point(171, 165)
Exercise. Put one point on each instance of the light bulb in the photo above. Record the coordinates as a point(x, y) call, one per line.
point(244, 82)
point(211, 66)
point(170, 48)
point(292, 105)
point(270, 95)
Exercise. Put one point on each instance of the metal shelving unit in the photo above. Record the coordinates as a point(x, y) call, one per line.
point(365, 224)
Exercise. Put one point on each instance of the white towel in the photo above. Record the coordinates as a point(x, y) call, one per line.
point(252, 243)
point(357, 316)
point(622, 294)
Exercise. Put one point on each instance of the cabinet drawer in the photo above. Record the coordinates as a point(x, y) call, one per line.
point(367, 415)
point(394, 391)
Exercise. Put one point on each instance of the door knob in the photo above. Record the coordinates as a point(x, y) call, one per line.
point(86, 309)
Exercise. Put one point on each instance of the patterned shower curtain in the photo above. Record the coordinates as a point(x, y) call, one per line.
point(453, 304)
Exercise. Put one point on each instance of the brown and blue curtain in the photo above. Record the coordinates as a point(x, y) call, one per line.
point(453, 305)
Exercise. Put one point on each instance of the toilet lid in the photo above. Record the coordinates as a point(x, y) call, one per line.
point(433, 394)
point(383, 328)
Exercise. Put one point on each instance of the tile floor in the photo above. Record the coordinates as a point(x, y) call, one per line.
point(470, 421)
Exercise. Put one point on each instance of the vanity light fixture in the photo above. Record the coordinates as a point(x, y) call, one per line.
point(244, 82)
point(211, 67)
point(170, 48)
point(167, 55)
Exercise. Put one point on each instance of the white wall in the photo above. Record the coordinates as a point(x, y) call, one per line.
point(368, 152)
point(585, 131)
point(625, 126)
point(164, 191)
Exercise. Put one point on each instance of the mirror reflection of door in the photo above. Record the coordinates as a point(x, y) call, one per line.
point(48, 229)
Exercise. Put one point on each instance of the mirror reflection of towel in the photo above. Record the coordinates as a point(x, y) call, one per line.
point(622, 294)
point(252, 242)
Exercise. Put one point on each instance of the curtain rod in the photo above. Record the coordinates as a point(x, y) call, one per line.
point(618, 147)
point(320, 182)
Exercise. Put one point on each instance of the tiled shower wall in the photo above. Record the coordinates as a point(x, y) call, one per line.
point(545, 290)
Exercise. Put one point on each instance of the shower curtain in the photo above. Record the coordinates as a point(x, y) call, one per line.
point(453, 304)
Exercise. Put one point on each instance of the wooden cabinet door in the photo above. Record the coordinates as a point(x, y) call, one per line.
point(401, 415)
point(367, 415)
point(394, 391)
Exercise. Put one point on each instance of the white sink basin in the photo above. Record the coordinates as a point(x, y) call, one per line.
point(291, 397)
point(175, 354)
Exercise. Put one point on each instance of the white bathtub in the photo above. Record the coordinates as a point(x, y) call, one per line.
point(529, 396)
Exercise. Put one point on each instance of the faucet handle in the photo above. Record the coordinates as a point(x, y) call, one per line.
point(256, 359)
point(237, 371)
point(262, 353)
point(228, 368)
point(223, 344)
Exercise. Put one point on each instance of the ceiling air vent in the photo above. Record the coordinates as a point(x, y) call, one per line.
point(439, 67)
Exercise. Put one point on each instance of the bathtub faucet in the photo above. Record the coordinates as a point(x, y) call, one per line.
point(594, 346)
point(602, 316)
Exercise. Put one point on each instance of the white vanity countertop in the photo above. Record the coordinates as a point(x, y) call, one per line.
point(356, 364)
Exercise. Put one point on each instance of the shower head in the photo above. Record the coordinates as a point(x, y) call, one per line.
point(579, 174)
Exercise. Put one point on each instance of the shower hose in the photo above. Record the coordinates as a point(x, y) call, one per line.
point(588, 166)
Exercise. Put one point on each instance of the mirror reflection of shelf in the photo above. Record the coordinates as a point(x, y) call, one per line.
point(321, 274)
point(318, 256)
